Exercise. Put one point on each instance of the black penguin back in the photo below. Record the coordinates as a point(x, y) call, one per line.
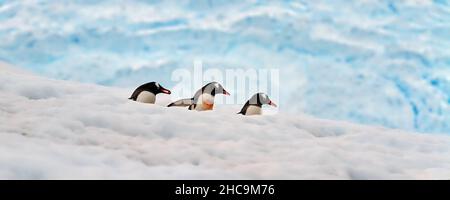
point(248, 104)
point(244, 108)
point(145, 87)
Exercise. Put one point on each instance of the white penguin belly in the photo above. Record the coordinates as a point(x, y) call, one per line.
point(253, 110)
point(146, 97)
point(205, 102)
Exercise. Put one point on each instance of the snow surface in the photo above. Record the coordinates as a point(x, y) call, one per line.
point(54, 129)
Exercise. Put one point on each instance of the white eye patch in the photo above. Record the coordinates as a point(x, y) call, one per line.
point(263, 96)
point(157, 85)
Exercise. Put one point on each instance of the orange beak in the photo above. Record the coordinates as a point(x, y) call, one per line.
point(272, 104)
point(165, 91)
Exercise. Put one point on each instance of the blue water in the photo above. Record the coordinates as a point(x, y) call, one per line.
point(381, 62)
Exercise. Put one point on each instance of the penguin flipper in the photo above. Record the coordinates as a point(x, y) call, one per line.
point(182, 103)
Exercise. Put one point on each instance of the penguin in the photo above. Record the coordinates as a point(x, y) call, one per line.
point(254, 105)
point(203, 98)
point(147, 93)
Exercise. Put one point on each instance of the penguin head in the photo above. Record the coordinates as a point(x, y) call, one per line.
point(156, 88)
point(214, 88)
point(261, 99)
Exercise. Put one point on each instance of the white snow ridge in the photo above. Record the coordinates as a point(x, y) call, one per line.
point(51, 129)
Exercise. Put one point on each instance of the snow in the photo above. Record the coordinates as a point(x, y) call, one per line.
point(392, 55)
point(55, 129)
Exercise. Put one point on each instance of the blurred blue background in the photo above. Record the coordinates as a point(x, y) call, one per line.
point(380, 62)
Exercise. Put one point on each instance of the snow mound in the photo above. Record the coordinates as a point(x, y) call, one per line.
point(51, 129)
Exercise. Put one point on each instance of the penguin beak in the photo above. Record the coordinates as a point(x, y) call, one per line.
point(226, 93)
point(165, 91)
point(272, 104)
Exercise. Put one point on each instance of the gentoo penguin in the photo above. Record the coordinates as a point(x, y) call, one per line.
point(254, 104)
point(147, 93)
point(203, 98)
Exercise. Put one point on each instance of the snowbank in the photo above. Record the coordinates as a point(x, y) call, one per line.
point(51, 129)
